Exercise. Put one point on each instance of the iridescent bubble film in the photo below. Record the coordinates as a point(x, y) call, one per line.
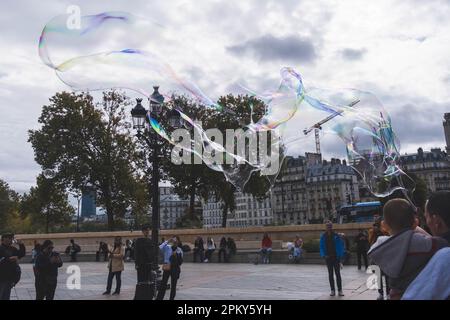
point(121, 50)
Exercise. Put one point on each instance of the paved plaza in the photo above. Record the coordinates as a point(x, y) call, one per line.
point(213, 281)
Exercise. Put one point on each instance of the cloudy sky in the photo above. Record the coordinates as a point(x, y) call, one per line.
point(398, 50)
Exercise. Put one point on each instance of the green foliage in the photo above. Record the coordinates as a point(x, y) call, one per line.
point(88, 143)
point(188, 221)
point(195, 179)
point(46, 206)
point(9, 203)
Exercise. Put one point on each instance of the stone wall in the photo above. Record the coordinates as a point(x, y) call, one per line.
point(89, 241)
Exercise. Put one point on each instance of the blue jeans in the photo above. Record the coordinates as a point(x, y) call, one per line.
point(266, 254)
point(5, 290)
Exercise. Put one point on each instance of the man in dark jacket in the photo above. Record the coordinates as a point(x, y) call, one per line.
point(47, 264)
point(362, 246)
point(144, 255)
point(9, 265)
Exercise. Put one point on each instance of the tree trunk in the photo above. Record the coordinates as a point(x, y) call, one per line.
point(109, 212)
point(47, 218)
point(192, 201)
point(224, 215)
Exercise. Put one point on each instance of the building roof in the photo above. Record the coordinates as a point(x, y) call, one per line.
point(421, 156)
point(327, 169)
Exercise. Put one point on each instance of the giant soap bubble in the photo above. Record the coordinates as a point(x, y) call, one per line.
point(121, 50)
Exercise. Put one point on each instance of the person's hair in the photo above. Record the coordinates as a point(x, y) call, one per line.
point(399, 214)
point(439, 204)
point(72, 241)
point(7, 236)
point(46, 244)
point(145, 227)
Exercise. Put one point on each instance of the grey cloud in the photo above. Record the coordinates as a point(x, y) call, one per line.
point(268, 48)
point(353, 54)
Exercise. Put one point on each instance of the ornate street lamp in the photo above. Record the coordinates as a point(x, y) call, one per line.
point(138, 114)
point(151, 138)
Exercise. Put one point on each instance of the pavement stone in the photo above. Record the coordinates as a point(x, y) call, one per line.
point(212, 281)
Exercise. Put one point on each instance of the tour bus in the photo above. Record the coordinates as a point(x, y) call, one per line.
point(359, 212)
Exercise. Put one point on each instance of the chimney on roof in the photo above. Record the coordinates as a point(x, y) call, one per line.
point(420, 153)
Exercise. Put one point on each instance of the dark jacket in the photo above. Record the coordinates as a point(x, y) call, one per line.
point(45, 268)
point(403, 256)
point(362, 241)
point(199, 244)
point(231, 246)
point(176, 260)
point(9, 269)
point(144, 252)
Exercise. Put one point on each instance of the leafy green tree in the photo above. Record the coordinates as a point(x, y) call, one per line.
point(87, 143)
point(9, 202)
point(199, 180)
point(47, 206)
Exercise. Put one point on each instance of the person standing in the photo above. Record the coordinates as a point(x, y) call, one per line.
point(210, 248)
point(362, 246)
point(332, 249)
point(144, 255)
point(9, 264)
point(47, 264)
point(199, 249)
point(173, 259)
point(115, 266)
point(223, 250)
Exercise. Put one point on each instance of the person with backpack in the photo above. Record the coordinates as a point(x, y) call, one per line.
point(173, 259)
point(10, 271)
point(47, 264)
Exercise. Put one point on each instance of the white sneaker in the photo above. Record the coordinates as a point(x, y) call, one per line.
point(341, 294)
point(333, 293)
point(206, 260)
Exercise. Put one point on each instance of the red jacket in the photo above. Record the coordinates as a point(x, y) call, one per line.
point(267, 243)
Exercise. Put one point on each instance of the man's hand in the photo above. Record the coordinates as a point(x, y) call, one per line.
point(14, 259)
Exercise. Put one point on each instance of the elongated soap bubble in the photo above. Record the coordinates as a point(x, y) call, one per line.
point(121, 50)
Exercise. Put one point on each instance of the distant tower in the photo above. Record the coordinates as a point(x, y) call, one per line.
point(447, 131)
point(88, 205)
